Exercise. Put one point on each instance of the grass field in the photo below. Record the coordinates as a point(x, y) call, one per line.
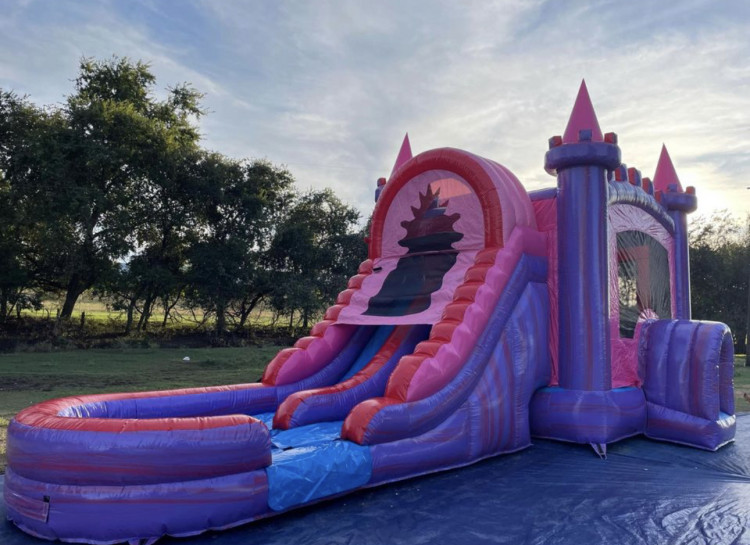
point(101, 311)
point(27, 378)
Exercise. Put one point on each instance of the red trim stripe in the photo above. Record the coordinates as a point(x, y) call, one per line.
point(453, 160)
point(46, 414)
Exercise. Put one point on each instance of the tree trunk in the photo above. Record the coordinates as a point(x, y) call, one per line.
point(129, 322)
point(3, 305)
point(167, 308)
point(75, 289)
point(305, 319)
point(221, 319)
point(246, 309)
point(147, 307)
point(747, 325)
point(243, 316)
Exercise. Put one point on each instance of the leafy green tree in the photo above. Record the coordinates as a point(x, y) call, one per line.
point(239, 204)
point(91, 165)
point(14, 277)
point(165, 225)
point(23, 128)
point(315, 250)
point(720, 272)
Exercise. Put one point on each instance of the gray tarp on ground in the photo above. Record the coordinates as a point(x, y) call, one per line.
point(644, 493)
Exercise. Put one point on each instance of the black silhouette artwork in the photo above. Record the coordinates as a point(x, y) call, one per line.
point(420, 271)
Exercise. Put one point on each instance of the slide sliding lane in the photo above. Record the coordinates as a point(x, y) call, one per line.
point(426, 388)
point(366, 379)
point(493, 418)
point(309, 460)
point(385, 419)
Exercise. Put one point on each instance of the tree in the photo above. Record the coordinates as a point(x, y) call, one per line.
point(18, 119)
point(111, 191)
point(26, 133)
point(315, 250)
point(239, 204)
point(88, 167)
point(14, 276)
point(165, 225)
point(720, 272)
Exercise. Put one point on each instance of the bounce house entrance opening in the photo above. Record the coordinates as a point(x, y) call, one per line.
point(643, 280)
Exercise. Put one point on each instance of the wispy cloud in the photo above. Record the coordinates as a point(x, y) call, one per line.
point(329, 88)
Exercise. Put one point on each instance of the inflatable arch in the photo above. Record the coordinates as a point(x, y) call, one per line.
point(484, 315)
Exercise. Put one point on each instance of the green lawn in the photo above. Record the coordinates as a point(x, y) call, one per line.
point(27, 378)
point(741, 385)
point(99, 311)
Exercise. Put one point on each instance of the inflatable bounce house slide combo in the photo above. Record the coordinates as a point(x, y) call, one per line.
point(484, 316)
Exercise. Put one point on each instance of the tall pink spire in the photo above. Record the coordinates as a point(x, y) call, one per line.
point(404, 154)
point(665, 173)
point(582, 117)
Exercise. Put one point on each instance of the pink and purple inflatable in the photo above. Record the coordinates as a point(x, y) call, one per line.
point(484, 316)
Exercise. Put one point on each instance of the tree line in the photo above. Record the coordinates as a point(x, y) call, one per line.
point(111, 191)
point(720, 273)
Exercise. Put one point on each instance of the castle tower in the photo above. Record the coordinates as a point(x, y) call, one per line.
point(582, 160)
point(678, 204)
point(404, 154)
point(584, 408)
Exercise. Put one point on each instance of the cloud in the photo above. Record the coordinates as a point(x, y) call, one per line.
point(329, 88)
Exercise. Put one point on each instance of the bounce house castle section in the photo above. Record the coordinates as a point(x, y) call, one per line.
point(626, 357)
point(482, 316)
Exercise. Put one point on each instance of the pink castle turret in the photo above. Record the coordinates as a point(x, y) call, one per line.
point(678, 204)
point(404, 154)
point(666, 175)
point(582, 117)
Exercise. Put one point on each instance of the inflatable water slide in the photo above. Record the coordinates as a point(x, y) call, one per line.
point(484, 315)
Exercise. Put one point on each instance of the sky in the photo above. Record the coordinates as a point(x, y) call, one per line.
point(329, 89)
